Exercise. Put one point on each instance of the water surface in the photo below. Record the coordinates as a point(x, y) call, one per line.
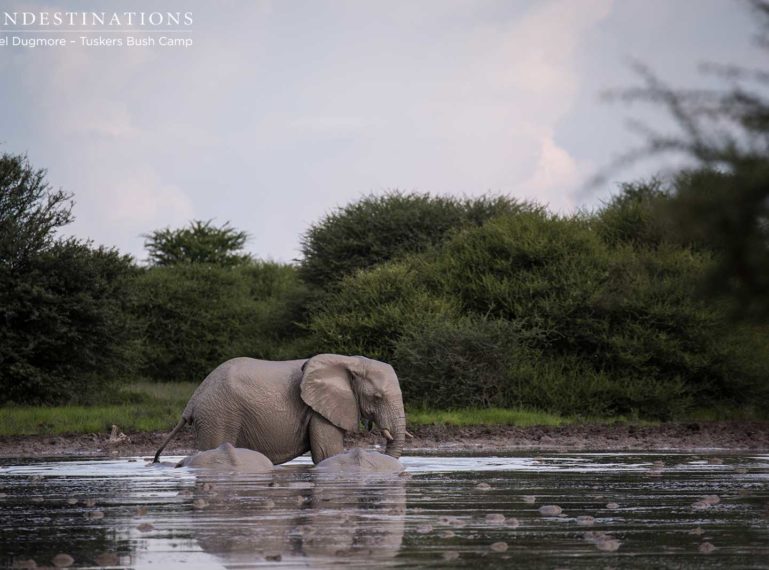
point(628, 510)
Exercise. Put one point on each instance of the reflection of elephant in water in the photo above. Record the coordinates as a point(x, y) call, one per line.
point(359, 460)
point(301, 517)
point(284, 409)
point(229, 458)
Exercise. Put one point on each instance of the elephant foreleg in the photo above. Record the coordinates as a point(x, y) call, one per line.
point(325, 438)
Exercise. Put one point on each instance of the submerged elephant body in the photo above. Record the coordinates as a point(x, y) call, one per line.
point(359, 460)
point(226, 457)
point(284, 409)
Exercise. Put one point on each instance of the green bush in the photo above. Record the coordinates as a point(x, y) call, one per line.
point(370, 310)
point(538, 310)
point(465, 362)
point(195, 316)
point(473, 362)
point(532, 266)
point(638, 216)
point(65, 326)
point(64, 323)
point(376, 229)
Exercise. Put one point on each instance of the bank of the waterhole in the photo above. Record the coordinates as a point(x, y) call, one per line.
point(727, 435)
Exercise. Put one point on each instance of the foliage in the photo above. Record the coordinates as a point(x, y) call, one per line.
point(195, 316)
point(464, 362)
point(201, 242)
point(376, 229)
point(723, 198)
point(535, 310)
point(371, 309)
point(729, 212)
point(532, 266)
point(64, 325)
point(637, 216)
point(30, 211)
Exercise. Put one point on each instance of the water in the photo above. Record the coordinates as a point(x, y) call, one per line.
point(447, 512)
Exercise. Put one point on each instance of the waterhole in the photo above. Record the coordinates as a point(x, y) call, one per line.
point(581, 510)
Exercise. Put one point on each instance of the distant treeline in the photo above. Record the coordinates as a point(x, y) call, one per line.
point(476, 302)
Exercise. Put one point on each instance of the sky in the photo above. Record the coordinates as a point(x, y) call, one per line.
point(281, 111)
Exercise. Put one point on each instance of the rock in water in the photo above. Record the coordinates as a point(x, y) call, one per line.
point(550, 510)
point(498, 547)
point(62, 560)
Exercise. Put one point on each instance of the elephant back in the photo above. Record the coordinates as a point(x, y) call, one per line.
point(230, 385)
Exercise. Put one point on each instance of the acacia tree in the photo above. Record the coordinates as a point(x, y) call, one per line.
point(200, 242)
point(376, 229)
point(64, 328)
point(30, 211)
point(722, 200)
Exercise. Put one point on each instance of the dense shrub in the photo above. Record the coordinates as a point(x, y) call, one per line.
point(638, 216)
point(449, 360)
point(532, 266)
point(538, 310)
point(195, 316)
point(376, 229)
point(371, 309)
point(64, 325)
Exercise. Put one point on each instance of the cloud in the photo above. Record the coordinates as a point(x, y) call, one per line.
point(145, 201)
point(278, 114)
point(555, 178)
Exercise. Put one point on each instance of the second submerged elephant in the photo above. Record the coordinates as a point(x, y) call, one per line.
point(284, 409)
point(359, 461)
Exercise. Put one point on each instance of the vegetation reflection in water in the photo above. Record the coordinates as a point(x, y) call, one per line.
point(579, 510)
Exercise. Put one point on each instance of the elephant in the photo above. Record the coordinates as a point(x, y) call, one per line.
point(357, 461)
point(229, 458)
point(285, 408)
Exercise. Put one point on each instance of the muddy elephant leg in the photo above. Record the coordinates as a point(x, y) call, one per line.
point(325, 438)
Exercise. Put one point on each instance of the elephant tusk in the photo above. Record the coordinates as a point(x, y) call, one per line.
point(410, 436)
point(388, 435)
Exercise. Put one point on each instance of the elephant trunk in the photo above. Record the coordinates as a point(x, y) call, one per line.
point(394, 422)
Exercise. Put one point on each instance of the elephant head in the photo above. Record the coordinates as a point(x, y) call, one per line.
point(348, 389)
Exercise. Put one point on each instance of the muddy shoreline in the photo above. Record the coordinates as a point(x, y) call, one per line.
point(690, 436)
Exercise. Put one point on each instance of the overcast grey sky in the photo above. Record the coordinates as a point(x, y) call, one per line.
point(283, 110)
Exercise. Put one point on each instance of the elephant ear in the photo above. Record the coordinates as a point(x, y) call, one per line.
point(326, 389)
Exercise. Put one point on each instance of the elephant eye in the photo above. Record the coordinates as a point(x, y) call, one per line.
point(378, 395)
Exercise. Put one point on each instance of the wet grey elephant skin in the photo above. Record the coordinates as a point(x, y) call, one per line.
point(359, 460)
point(286, 408)
point(226, 457)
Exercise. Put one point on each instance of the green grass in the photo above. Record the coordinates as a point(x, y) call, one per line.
point(144, 407)
point(508, 417)
point(487, 416)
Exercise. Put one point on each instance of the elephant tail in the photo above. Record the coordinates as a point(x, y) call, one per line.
point(171, 435)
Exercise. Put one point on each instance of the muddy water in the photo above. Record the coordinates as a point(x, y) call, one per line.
point(556, 511)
